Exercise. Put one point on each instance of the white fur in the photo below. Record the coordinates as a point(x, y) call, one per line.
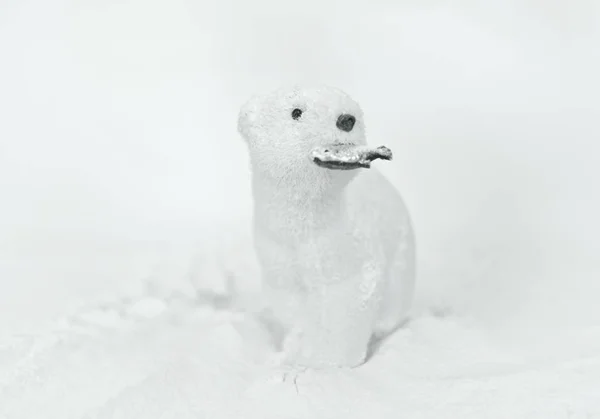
point(336, 248)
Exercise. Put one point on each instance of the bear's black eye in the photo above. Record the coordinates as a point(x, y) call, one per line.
point(296, 113)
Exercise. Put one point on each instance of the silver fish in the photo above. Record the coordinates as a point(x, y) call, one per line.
point(348, 156)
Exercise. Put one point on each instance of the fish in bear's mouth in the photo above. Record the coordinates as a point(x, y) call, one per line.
point(348, 156)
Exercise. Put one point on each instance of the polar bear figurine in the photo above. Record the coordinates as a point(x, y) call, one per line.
point(333, 237)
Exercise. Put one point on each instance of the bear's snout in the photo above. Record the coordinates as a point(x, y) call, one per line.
point(345, 122)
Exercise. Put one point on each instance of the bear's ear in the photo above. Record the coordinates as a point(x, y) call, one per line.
point(247, 117)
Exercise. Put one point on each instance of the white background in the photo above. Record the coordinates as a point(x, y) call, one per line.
point(119, 155)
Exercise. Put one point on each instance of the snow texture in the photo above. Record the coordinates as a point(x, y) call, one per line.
point(125, 204)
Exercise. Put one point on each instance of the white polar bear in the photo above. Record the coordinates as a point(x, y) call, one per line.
point(336, 247)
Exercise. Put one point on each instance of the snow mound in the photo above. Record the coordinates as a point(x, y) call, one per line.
point(190, 361)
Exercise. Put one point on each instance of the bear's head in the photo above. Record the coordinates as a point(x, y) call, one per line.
point(282, 127)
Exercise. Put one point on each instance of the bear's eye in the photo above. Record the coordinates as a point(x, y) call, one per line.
point(296, 113)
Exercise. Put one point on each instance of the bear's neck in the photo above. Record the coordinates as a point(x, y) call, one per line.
point(298, 208)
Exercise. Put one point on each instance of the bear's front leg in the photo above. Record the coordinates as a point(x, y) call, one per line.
point(336, 325)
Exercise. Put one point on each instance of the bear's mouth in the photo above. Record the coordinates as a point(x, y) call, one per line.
point(348, 156)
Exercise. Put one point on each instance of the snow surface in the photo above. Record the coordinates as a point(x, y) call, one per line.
point(125, 205)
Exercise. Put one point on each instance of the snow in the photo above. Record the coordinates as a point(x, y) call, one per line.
point(125, 206)
point(198, 363)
